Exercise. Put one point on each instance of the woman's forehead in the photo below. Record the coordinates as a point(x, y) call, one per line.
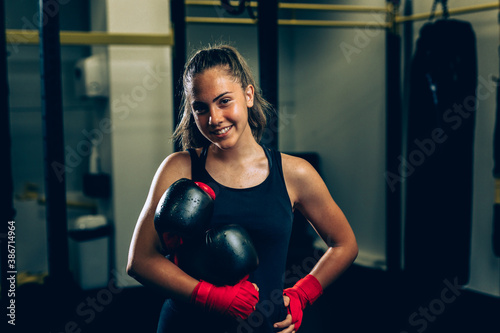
point(212, 81)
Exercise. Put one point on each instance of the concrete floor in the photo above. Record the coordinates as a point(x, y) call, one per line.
point(362, 300)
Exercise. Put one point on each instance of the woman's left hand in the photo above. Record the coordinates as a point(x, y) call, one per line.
point(287, 323)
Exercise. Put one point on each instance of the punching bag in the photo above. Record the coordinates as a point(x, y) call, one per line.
point(496, 175)
point(439, 152)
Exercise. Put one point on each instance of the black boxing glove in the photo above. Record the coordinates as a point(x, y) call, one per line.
point(223, 258)
point(183, 212)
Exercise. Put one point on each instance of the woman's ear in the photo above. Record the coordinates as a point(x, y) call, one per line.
point(249, 94)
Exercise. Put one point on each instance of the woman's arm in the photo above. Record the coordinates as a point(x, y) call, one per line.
point(309, 194)
point(146, 263)
point(311, 197)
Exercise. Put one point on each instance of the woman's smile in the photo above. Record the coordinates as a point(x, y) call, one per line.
point(222, 132)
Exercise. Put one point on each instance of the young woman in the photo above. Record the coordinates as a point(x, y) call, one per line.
point(259, 188)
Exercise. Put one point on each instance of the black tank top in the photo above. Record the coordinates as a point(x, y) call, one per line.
point(266, 213)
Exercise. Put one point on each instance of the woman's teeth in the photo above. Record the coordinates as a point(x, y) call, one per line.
point(222, 131)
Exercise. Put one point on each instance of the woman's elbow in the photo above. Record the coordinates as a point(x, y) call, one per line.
point(139, 263)
point(131, 267)
point(354, 250)
point(351, 246)
point(133, 264)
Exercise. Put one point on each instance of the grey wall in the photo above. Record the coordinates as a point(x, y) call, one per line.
point(339, 111)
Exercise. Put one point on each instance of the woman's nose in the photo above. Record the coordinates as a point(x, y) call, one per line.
point(215, 116)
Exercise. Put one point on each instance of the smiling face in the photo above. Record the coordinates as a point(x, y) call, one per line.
point(219, 106)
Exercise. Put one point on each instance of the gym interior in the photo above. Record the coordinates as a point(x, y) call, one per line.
point(90, 99)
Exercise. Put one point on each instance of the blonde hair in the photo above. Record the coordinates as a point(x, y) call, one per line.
point(229, 59)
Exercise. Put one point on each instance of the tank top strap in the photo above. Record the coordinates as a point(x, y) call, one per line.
point(274, 157)
point(198, 163)
point(195, 164)
point(203, 156)
point(270, 158)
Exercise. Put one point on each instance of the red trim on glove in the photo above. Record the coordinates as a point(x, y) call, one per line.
point(207, 189)
point(171, 241)
point(237, 301)
point(305, 292)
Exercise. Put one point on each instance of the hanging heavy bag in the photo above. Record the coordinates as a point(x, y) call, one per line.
point(496, 175)
point(439, 154)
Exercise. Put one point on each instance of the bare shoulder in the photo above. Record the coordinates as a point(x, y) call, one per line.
point(175, 166)
point(296, 168)
point(178, 160)
point(301, 178)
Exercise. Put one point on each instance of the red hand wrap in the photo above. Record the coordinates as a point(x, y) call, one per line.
point(237, 301)
point(305, 291)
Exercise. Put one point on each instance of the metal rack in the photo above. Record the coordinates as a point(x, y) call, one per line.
point(30, 37)
point(92, 38)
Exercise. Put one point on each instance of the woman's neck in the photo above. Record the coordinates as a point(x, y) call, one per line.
point(241, 166)
point(240, 152)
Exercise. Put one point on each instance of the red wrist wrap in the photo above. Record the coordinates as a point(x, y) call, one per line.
point(305, 291)
point(237, 301)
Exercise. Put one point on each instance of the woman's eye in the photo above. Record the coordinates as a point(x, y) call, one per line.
point(224, 100)
point(197, 108)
